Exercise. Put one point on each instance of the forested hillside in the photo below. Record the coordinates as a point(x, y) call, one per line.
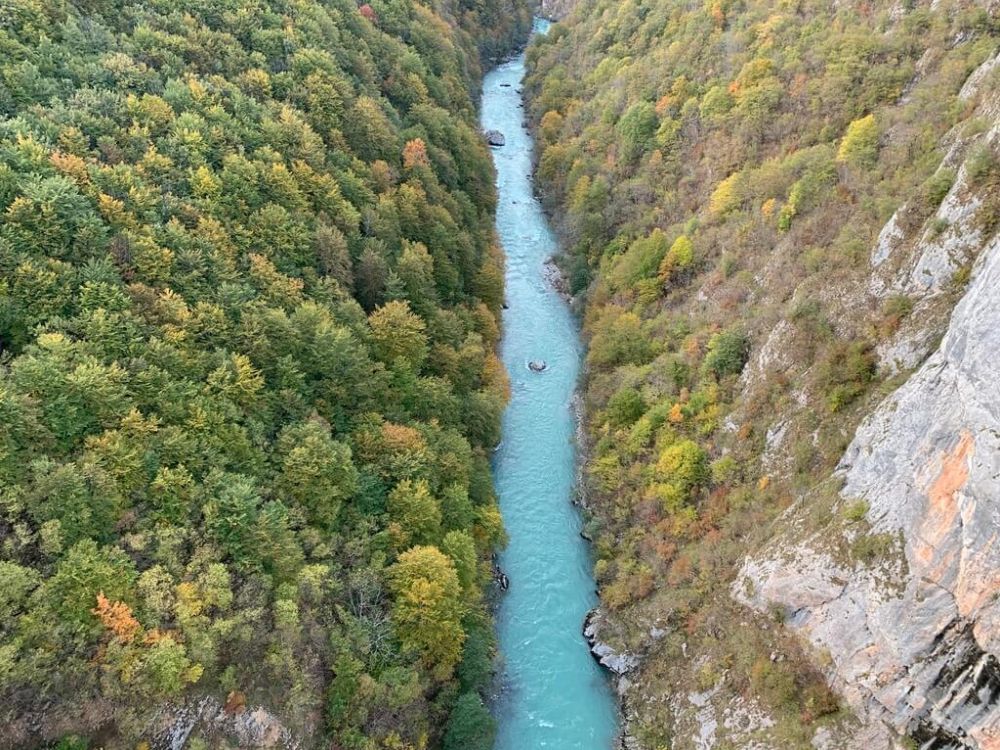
point(249, 297)
point(722, 173)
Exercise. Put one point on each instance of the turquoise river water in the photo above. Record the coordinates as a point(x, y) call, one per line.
point(555, 695)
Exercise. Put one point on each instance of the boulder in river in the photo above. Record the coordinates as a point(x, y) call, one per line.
point(537, 365)
point(495, 138)
point(500, 577)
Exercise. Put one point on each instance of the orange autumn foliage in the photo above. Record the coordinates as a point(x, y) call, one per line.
point(235, 702)
point(399, 437)
point(117, 617)
point(676, 413)
point(70, 165)
point(718, 14)
point(156, 635)
point(415, 154)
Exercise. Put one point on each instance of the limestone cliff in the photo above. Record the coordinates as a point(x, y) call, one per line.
point(912, 634)
point(780, 220)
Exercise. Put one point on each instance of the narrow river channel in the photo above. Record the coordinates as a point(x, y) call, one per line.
point(555, 695)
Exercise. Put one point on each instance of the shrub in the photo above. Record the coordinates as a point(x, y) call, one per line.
point(683, 464)
point(896, 308)
point(859, 146)
point(847, 371)
point(635, 129)
point(619, 339)
point(679, 258)
point(578, 273)
point(640, 261)
point(476, 668)
point(727, 353)
point(725, 469)
point(716, 102)
point(625, 407)
point(869, 548)
point(937, 186)
point(727, 196)
point(856, 511)
point(470, 727)
point(981, 163)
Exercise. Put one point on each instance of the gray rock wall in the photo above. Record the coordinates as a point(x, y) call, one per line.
point(913, 637)
point(913, 641)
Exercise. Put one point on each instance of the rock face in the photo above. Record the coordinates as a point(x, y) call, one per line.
point(556, 9)
point(913, 637)
point(249, 727)
point(953, 236)
point(914, 642)
point(619, 662)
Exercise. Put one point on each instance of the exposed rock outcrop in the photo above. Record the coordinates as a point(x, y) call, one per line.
point(866, 596)
point(913, 634)
point(618, 662)
point(249, 727)
point(914, 641)
point(953, 235)
point(556, 9)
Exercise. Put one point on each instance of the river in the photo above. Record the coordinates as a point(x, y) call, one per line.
point(555, 695)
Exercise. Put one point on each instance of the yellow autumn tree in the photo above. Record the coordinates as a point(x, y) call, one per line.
point(678, 259)
point(726, 198)
point(551, 126)
point(427, 609)
point(398, 334)
point(859, 146)
point(414, 508)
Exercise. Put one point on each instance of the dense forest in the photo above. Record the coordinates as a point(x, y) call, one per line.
point(249, 299)
point(720, 172)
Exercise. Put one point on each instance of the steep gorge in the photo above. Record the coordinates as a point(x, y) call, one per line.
point(915, 646)
point(773, 212)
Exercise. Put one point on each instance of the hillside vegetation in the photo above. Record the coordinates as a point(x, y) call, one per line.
point(721, 171)
point(249, 297)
